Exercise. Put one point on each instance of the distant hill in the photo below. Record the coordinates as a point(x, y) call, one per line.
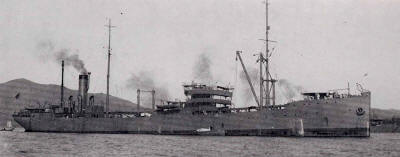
point(20, 93)
point(385, 113)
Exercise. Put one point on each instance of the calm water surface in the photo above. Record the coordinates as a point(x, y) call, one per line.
point(57, 144)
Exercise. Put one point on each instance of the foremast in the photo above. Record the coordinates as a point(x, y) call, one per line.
point(109, 26)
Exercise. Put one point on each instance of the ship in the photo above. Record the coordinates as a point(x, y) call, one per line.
point(208, 110)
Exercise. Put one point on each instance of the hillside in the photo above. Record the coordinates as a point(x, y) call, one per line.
point(30, 94)
point(385, 113)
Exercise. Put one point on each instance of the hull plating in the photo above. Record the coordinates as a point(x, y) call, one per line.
point(330, 117)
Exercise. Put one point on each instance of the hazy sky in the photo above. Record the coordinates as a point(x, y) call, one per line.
point(322, 44)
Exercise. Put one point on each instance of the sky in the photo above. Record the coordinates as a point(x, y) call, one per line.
point(321, 44)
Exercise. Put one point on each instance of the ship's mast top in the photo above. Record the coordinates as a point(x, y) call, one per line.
point(109, 26)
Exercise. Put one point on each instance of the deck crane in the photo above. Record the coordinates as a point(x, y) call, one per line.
point(247, 77)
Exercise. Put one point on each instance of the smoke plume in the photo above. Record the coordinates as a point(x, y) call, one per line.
point(144, 81)
point(48, 50)
point(202, 69)
point(70, 60)
point(254, 77)
point(289, 91)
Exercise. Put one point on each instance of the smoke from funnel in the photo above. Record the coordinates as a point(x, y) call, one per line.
point(48, 50)
point(70, 60)
point(202, 69)
point(144, 81)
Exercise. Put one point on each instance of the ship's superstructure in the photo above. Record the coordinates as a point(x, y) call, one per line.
point(208, 110)
point(207, 98)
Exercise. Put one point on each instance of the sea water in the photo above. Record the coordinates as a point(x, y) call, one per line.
point(19, 143)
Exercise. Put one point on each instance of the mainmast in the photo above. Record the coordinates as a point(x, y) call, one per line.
point(108, 67)
point(268, 82)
